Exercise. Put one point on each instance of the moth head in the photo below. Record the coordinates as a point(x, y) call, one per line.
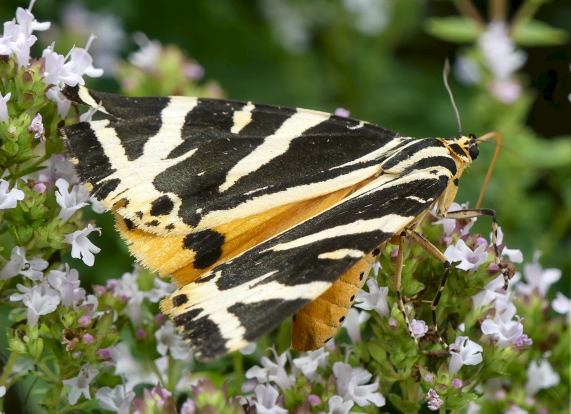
point(463, 148)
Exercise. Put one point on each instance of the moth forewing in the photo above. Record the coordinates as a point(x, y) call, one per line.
point(258, 212)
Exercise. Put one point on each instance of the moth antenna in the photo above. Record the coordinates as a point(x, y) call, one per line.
point(486, 137)
point(445, 74)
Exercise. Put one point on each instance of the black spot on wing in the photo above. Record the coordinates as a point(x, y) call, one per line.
point(179, 300)
point(260, 317)
point(161, 206)
point(207, 245)
point(203, 334)
point(81, 141)
point(129, 224)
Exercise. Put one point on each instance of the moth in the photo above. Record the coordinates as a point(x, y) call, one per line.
point(258, 212)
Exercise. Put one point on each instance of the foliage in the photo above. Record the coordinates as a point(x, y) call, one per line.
point(109, 348)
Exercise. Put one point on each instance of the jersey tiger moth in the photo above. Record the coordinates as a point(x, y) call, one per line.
point(259, 212)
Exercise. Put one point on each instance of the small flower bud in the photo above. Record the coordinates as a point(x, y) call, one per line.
point(84, 321)
point(87, 339)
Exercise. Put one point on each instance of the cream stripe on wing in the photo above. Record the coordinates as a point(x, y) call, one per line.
point(173, 116)
point(273, 146)
point(242, 118)
point(391, 223)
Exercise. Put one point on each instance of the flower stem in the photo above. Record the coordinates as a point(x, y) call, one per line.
point(8, 368)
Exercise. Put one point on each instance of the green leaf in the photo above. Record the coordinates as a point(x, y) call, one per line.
point(536, 33)
point(453, 29)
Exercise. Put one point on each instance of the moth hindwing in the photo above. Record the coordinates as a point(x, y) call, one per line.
point(258, 212)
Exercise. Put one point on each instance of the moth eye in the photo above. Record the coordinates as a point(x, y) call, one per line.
point(474, 151)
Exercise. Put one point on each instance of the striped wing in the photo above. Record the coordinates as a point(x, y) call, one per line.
point(236, 302)
point(177, 165)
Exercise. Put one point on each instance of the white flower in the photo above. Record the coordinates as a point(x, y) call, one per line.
point(562, 304)
point(4, 107)
point(375, 298)
point(67, 282)
point(353, 322)
point(418, 328)
point(494, 290)
point(371, 16)
point(309, 362)
point(272, 371)
point(2, 391)
point(110, 35)
point(128, 289)
point(352, 385)
point(29, 24)
point(538, 279)
point(337, 405)
point(540, 375)
point(169, 339)
point(96, 205)
point(499, 51)
point(434, 402)
point(266, 400)
point(70, 201)
point(39, 299)
point(160, 290)
point(17, 37)
point(515, 409)
point(16, 41)
point(249, 349)
point(117, 399)
point(37, 127)
point(9, 198)
point(63, 104)
point(515, 255)
point(80, 385)
point(503, 328)
point(19, 265)
point(506, 90)
point(464, 352)
point(147, 57)
point(58, 167)
point(469, 259)
point(59, 70)
point(81, 247)
point(342, 112)
point(130, 369)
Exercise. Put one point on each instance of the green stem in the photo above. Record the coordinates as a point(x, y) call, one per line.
point(526, 12)
point(467, 9)
point(8, 368)
point(159, 375)
point(53, 378)
point(238, 361)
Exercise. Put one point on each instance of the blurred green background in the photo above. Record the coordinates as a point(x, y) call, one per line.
point(381, 60)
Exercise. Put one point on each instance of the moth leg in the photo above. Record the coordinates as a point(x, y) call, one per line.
point(480, 212)
point(438, 255)
point(398, 280)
